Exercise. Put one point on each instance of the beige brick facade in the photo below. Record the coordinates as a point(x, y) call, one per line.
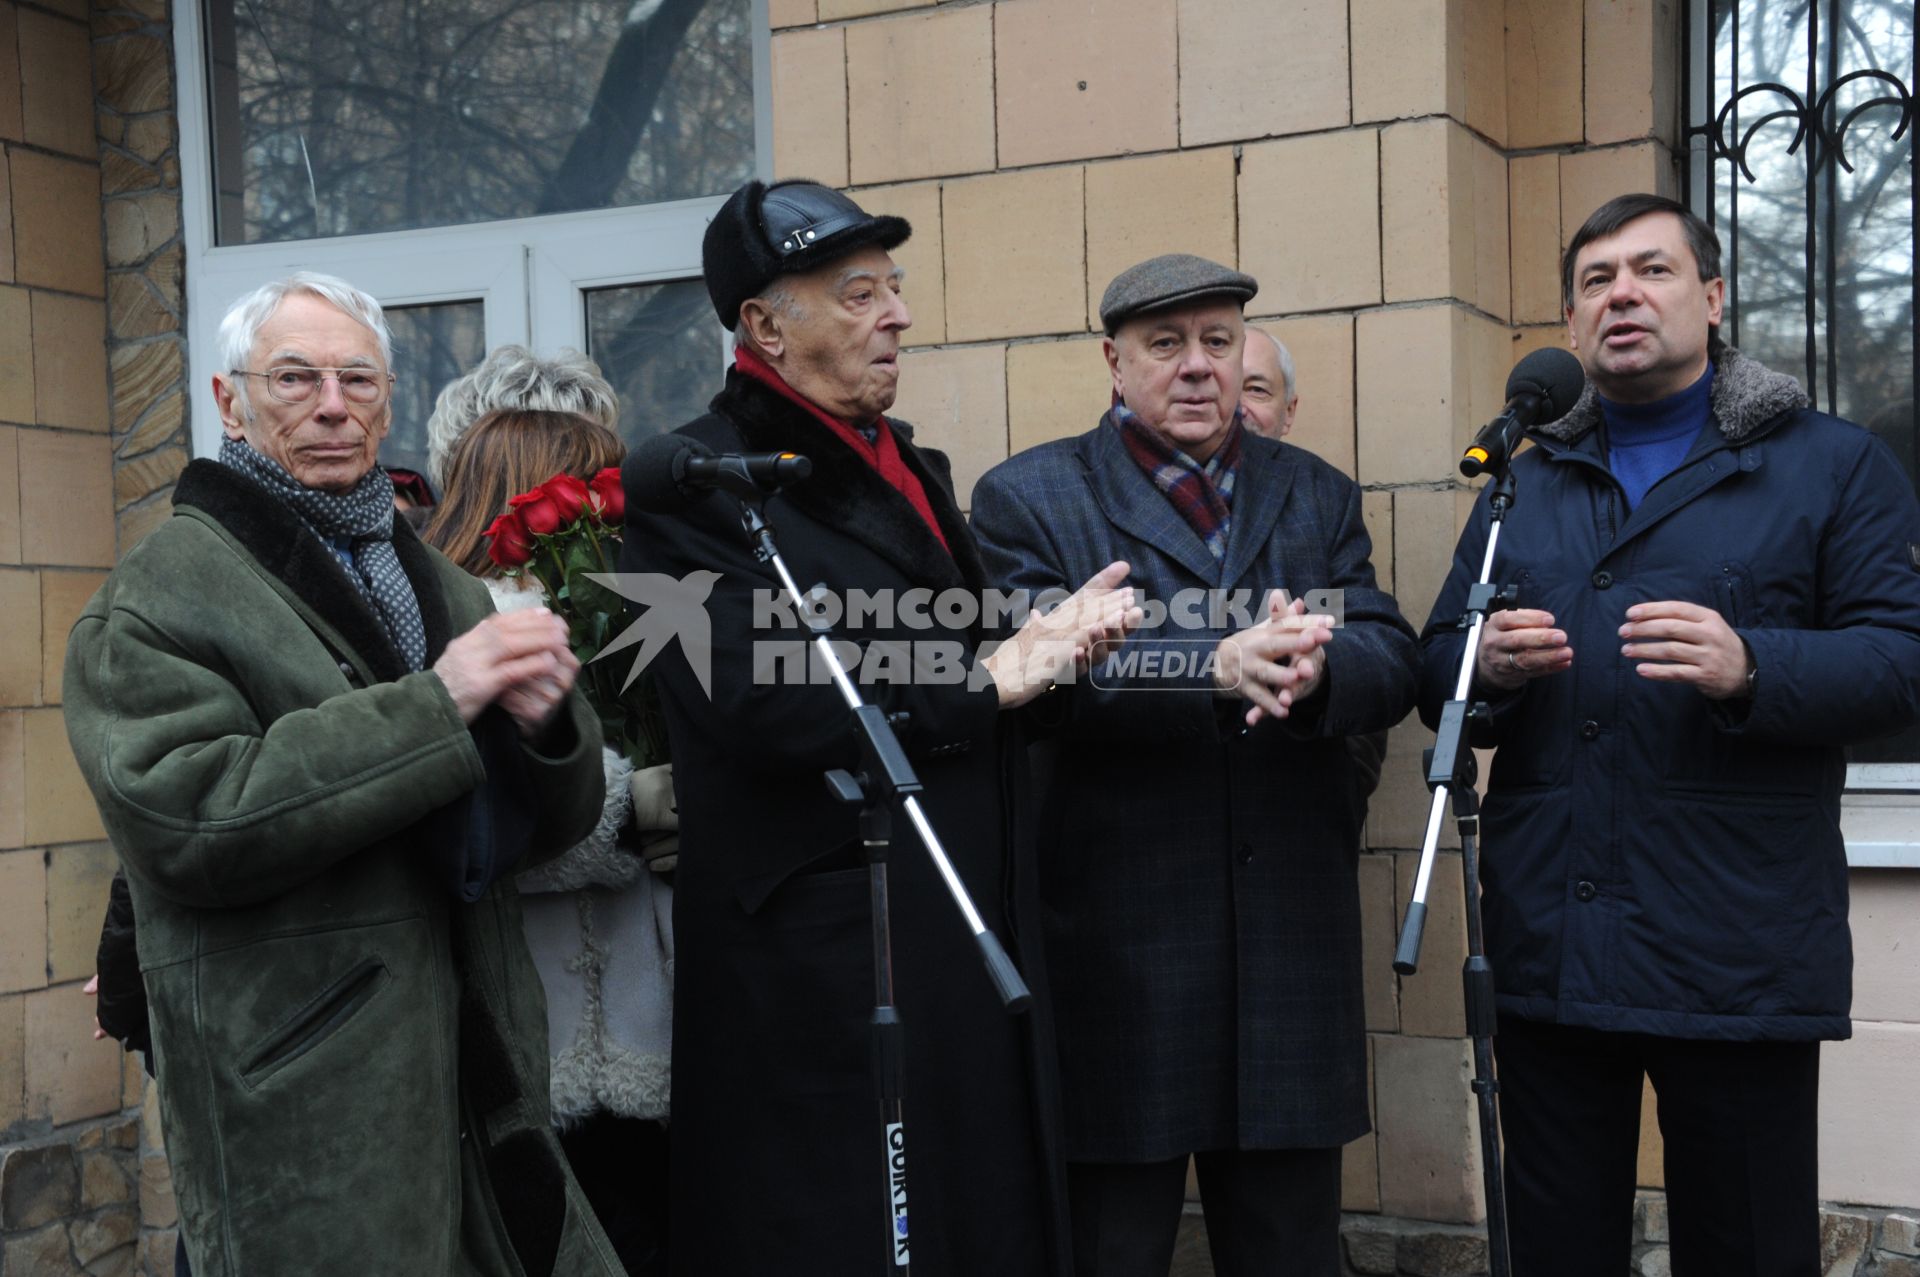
point(92, 430)
point(1399, 174)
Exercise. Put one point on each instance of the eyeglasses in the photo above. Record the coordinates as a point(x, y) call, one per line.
point(296, 383)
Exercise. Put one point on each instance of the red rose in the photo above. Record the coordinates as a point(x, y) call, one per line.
point(508, 542)
point(609, 498)
point(569, 495)
point(537, 510)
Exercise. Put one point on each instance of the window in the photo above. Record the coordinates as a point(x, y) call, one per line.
point(1801, 155)
point(494, 171)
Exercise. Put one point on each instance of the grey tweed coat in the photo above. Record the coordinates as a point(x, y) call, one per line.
point(1202, 914)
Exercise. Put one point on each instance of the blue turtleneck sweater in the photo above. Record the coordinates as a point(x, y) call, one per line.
point(1646, 442)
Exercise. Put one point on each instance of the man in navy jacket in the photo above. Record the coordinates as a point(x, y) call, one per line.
point(1719, 589)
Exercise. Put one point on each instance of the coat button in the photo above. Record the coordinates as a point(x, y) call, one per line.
point(1584, 891)
point(1246, 853)
point(1603, 580)
point(1589, 730)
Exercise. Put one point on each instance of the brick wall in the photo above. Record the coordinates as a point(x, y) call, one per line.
point(1400, 175)
point(78, 1168)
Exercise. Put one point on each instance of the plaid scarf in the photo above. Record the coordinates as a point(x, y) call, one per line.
point(362, 517)
point(1203, 494)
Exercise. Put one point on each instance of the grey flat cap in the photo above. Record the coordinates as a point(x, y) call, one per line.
point(1170, 280)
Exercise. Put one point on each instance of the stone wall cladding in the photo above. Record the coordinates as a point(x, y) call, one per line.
point(72, 1205)
point(146, 286)
point(92, 434)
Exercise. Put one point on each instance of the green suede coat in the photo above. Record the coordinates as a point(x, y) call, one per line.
point(352, 1065)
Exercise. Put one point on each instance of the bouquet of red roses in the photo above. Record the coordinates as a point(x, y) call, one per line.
point(562, 533)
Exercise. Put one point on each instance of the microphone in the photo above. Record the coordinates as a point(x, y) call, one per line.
point(1542, 387)
point(667, 473)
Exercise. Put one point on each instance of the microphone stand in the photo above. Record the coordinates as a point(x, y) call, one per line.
point(1451, 770)
point(885, 781)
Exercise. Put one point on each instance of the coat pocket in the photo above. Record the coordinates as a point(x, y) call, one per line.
point(319, 1019)
point(1732, 594)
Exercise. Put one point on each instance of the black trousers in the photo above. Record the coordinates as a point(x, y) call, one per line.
point(1270, 1211)
point(1740, 1124)
point(621, 1166)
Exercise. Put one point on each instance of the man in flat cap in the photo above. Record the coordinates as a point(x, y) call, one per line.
point(1198, 828)
point(779, 1160)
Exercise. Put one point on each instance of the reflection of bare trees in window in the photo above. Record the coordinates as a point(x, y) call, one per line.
point(1853, 132)
point(660, 346)
point(431, 346)
point(1813, 199)
point(368, 115)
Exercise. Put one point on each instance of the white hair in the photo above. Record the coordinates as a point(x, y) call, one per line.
point(240, 326)
point(513, 377)
point(1286, 361)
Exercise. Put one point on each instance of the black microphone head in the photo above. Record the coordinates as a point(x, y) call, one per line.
point(1553, 374)
point(652, 473)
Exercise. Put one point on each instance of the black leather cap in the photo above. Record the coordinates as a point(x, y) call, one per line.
point(763, 232)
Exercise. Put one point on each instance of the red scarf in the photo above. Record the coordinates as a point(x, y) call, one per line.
point(883, 454)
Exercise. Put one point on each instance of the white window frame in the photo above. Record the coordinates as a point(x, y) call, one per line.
point(528, 273)
point(1880, 813)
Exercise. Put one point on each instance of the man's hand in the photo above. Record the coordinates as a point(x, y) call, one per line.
point(1518, 645)
point(520, 659)
point(1080, 631)
point(1273, 664)
point(92, 989)
point(532, 703)
point(1693, 644)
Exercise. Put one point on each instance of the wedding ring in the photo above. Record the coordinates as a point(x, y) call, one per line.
point(1513, 661)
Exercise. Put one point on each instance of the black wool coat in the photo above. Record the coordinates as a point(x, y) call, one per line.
point(778, 1153)
point(1201, 904)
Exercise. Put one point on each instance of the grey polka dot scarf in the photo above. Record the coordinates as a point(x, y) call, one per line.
point(362, 516)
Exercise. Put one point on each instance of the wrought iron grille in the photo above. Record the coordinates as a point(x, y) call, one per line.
point(1801, 154)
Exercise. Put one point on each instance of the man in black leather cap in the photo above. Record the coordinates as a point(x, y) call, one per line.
point(780, 1164)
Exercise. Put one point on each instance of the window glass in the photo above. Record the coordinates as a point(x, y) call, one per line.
point(431, 346)
point(661, 346)
point(341, 117)
point(1814, 207)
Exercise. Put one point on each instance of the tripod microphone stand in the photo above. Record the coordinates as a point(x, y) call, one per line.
point(885, 782)
point(1451, 770)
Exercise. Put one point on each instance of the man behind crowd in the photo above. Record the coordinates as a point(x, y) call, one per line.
point(1199, 836)
point(1719, 588)
point(779, 1161)
point(1269, 396)
point(316, 750)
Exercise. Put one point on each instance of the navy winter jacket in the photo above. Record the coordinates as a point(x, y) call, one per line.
point(1656, 862)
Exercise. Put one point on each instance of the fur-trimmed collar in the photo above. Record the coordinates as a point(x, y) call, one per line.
point(849, 494)
point(286, 549)
point(1746, 396)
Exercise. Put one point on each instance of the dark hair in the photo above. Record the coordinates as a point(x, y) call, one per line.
point(1617, 212)
point(502, 455)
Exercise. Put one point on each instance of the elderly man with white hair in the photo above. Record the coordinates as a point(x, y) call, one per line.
point(319, 755)
point(1269, 395)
